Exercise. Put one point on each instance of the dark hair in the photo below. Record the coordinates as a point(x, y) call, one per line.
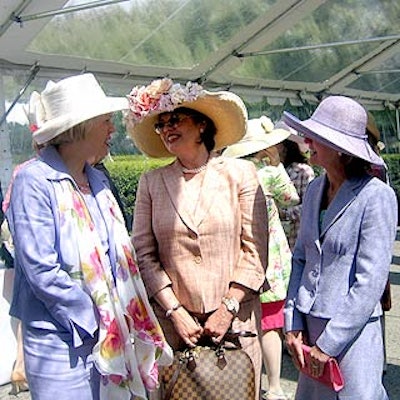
point(354, 166)
point(293, 153)
point(208, 135)
point(372, 140)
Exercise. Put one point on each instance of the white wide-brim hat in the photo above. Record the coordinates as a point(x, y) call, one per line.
point(69, 102)
point(340, 123)
point(225, 109)
point(260, 135)
point(294, 137)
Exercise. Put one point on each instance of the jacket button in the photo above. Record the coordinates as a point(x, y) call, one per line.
point(197, 259)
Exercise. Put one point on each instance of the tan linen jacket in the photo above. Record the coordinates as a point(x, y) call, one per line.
point(226, 241)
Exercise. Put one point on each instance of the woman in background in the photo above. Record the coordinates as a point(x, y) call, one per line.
point(293, 154)
point(259, 145)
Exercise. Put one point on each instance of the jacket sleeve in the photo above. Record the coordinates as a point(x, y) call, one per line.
point(145, 242)
point(293, 317)
point(34, 226)
point(276, 183)
point(252, 263)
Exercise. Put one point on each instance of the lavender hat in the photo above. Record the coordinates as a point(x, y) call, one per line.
point(340, 123)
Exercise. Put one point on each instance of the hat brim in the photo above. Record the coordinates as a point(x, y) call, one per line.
point(52, 128)
point(245, 147)
point(336, 140)
point(225, 109)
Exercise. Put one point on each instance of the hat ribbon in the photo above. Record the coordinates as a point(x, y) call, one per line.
point(354, 135)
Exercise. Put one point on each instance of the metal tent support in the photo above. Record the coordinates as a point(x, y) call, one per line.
point(35, 69)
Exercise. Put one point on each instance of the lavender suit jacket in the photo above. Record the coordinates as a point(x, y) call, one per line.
point(45, 296)
point(339, 272)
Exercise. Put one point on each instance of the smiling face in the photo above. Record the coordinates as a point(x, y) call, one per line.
point(179, 132)
point(323, 155)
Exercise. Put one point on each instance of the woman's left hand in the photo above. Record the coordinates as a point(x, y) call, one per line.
point(318, 359)
point(218, 324)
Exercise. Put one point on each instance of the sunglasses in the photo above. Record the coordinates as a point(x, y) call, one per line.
point(173, 122)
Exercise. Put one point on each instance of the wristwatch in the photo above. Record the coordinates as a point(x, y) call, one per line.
point(232, 305)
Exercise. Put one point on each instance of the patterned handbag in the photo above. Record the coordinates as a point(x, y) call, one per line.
point(210, 373)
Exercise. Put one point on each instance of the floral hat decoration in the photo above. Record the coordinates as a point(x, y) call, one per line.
point(225, 109)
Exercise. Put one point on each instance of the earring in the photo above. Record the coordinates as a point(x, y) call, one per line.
point(201, 130)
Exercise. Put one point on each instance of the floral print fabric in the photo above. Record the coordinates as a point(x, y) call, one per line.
point(278, 189)
point(131, 341)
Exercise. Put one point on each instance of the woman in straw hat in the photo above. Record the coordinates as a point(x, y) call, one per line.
point(342, 256)
point(77, 290)
point(260, 146)
point(200, 226)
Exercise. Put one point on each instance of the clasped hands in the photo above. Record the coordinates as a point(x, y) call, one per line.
point(190, 330)
point(294, 341)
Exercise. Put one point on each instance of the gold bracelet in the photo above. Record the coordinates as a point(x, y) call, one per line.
point(169, 312)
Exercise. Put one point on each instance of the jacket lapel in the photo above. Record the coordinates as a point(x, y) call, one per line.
point(211, 185)
point(344, 198)
point(176, 192)
point(174, 182)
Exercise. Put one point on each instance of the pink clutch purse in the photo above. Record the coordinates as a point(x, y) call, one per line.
point(332, 377)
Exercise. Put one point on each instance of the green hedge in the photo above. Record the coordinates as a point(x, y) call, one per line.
point(126, 171)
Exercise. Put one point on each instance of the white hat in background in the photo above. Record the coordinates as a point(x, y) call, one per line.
point(260, 135)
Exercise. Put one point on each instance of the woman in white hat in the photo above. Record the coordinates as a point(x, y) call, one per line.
point(77, 290)
point(200, 226)
point(342, 257)
point(260, 146)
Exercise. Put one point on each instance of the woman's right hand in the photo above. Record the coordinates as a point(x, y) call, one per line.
point(294, 341)
point(188, 328)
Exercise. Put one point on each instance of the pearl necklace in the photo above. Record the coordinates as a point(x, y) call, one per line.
point(195, 170)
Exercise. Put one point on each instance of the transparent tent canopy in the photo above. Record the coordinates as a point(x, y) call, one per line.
point(275, 54)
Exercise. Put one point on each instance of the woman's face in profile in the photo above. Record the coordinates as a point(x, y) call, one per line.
point(98, 138)
point(323, 155)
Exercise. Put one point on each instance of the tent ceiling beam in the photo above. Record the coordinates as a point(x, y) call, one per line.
point(15, 17)
point(319, 46)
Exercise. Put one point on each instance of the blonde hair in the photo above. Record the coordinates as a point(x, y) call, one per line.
point(74, 134)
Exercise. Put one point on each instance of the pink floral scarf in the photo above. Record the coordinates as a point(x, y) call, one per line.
point(131, 343)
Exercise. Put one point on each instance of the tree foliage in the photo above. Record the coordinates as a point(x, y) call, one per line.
point(183, 33)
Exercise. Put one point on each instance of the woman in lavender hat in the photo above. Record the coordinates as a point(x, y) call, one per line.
point(342, 257)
